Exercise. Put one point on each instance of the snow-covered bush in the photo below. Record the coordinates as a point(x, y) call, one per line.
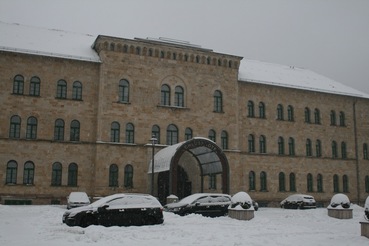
point(340, 201)
point(241, 200)
point(366, 208)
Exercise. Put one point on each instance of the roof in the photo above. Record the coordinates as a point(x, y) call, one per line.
point(292, 77)
point(69, 45)
point(47, 42)
point(208, 159)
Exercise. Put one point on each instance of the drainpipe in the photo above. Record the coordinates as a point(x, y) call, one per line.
point(356, 154)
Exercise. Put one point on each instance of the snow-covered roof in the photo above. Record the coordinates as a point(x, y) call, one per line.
point(58, 43)
point(47, 42)
point(292, 77)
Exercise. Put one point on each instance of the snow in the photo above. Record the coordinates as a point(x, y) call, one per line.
point(41, 226)
point(338, 200)
point(293, 77)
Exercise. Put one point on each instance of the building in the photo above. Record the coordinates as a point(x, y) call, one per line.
point(85, 113)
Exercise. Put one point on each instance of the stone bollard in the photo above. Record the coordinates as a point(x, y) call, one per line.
point(364, 228)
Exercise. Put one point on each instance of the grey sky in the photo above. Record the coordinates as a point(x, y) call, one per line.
point(330, 37)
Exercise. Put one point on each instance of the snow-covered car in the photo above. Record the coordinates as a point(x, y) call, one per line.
point(206, 204)
point(340, 201)
point(77, 199)
point(117, 210)
point(298, 201)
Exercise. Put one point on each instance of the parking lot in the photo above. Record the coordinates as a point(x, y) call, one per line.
point(42, 225)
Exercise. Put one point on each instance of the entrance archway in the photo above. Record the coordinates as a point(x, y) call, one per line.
point(208, 156)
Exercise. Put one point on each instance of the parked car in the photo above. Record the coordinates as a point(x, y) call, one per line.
point(206, 204)
point(117, 210)
point(298, 201)
point(77, 199)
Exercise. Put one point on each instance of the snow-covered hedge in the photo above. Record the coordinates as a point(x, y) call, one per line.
point(241, 201)
point(340, 201)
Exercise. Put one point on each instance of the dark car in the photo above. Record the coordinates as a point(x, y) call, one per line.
point(206, 204)
point(298, 201)
point(117, 210)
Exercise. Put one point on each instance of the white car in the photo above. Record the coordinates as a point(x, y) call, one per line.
point(77, 199)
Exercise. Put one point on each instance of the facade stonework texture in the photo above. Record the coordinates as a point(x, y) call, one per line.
point(267, 173)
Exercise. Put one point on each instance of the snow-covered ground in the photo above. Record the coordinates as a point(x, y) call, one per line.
point(41, 225)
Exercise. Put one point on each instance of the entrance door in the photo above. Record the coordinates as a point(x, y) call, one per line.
point(183, 184)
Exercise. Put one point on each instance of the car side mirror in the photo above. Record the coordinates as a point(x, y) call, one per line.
point(197, 204)
point(103, 208)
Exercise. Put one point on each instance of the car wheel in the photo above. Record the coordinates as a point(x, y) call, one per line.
point(87, 221)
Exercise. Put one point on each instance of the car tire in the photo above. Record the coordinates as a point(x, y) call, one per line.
point(87, 221)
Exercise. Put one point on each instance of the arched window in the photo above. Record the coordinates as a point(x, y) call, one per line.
point(18, 85)
point(28, 173)
point(280, 146)
point(282, 182)
point(291, 146)
point(162, 55)
point(262, 144)
point(333, 118)
point(290, 113)
point(308, 147)
point(155, 132)
point(172, 135)
point(224, 139)
point(128, 176)
point(250, 109)
point(34, 86)
point(345, 183)
point(72, 174)
point(310, 182)
point(138, 51)
point(279, 112)
point(130, 133)
point(77, 91)
point(59, 130)
point(165, 95)
point(11, 172)
point(151, 53)
point(218, 101)
point(365, 151)
point(113, 175)
point(316, 116)
point(31, 128)
point(15, 125)
point(123, 91)
point(342, 119)
point(251, 141)
point(188, 133)
point(307, 115)
point(334, 149)
point(292, 182)
point(56, 175)
point(179, 96)
point(319, 182)
point(263, 181)
point(115, 132)
point(61, 89)
point(336, 186)
point(343, 150)
point(74, 130)
point(197, 59)
point(262, 110)
point(367, 184)
point(318, 148)
point(252, 180)
point(212, 135)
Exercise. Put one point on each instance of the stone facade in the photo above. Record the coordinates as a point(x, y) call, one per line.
point(147, 65)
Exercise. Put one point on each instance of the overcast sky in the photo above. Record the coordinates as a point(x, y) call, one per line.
point(330, 37)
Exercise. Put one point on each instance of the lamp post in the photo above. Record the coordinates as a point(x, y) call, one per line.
point(153, 141)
